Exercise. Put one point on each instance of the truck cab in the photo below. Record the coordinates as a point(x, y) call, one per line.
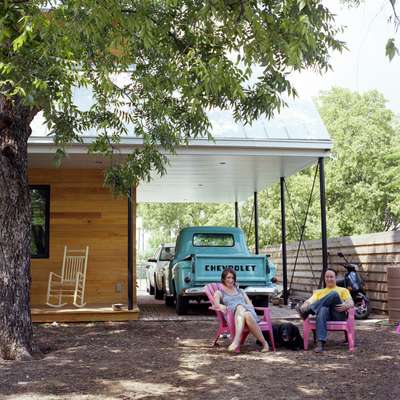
point(202, 253)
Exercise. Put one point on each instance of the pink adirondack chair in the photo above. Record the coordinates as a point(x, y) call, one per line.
point(348, 326)
point(398, 329)
point(227, 322)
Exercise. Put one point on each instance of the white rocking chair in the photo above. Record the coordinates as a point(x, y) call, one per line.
point(71, 282)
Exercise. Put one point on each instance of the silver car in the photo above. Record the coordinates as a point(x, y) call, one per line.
point(155, 279)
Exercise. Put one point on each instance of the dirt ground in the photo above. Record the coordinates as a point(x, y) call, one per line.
point(175, 360)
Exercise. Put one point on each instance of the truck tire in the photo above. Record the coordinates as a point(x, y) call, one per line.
point(181, 305)
point(170, 298)
point(158, 293)
point(169, 301)
point(151, 289)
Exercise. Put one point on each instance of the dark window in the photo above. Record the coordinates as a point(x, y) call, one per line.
point(213, 240)
point(40, 200)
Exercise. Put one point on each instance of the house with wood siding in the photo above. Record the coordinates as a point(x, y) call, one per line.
point(77, 210)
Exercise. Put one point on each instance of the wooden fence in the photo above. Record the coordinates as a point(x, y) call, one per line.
point(374, 251)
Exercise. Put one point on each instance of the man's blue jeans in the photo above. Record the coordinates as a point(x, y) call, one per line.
point(324, 311)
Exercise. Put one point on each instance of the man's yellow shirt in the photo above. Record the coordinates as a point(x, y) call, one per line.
point(343, 293)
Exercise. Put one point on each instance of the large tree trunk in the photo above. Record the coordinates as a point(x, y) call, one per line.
point(15, 234)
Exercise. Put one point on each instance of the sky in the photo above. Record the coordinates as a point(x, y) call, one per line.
point(364, 66)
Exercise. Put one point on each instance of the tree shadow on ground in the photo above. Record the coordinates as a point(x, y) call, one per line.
point(175, 360)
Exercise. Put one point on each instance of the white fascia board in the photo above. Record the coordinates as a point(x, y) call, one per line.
point(45, 145)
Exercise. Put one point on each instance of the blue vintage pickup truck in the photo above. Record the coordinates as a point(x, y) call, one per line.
point(202, 253)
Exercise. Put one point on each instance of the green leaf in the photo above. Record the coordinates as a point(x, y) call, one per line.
point(301, 4)
point(391, 49)
point(59, 156)
point(19, 41)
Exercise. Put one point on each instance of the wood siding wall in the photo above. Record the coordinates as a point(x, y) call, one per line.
point(374, 251)
point(83, 212)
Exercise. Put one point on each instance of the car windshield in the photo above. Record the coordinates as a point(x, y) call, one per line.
point(167, 253)
point(213, 240)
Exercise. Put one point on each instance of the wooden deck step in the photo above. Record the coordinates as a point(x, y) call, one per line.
point(89, 313)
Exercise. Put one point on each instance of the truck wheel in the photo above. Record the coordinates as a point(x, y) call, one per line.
point(158, 293)
point(169, 301)
point(181, 305)
point(151, 289)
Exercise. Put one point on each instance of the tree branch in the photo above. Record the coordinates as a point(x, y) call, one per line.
point(396, 17)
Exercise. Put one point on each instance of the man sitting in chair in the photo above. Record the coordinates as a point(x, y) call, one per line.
point(328, 304)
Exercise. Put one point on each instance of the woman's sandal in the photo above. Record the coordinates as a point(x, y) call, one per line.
point(265, 349)
point(233, 348)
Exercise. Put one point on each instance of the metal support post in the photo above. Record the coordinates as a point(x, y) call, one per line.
point(284, 253)
point(236, 214)
point(256, 223)
point(130, 252)
point(323, 221)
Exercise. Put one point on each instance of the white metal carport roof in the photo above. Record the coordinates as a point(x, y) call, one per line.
point(241, 160)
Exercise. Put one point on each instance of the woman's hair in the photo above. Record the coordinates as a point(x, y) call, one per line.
point(225, 273)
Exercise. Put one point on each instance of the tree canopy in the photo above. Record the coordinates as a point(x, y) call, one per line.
point(155, 67)
point(164, 221)
point(363, 169)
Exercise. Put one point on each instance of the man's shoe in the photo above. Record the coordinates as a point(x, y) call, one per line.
point(303, 314)
point(320, 347)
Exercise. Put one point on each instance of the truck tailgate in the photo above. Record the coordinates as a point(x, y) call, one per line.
point(249, 269)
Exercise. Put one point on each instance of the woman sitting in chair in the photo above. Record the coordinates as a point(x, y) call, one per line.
point(232, 298)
